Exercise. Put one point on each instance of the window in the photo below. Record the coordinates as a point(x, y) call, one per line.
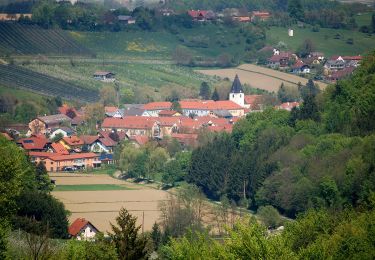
point(232, 95)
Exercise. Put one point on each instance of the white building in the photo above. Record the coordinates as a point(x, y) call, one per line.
point(236, 94)
point(82, 229)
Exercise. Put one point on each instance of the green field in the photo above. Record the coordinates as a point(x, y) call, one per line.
point(17, 39)
point(17, 77)
point(217, 39)
point(90, 187)
point(324, 40)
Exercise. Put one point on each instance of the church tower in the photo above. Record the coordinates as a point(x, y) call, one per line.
point(236, 93)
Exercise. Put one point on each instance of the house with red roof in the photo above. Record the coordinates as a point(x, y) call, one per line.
point(186, 140)
point(300, 68)
point(254, 102)
point(72, 143)
point(288, 105)
point(92, 143)
point(44, 124)
point(260, 16)
point(340, 74)
point(133, 125)
point(59, 148)
point(34, 143)
point(281, 60)
point(202, 15)
point(154, 108)
point(55, 162)
point(82, 229)
point(139, 140)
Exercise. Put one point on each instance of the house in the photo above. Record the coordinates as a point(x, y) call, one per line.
point(254, 102)
point(352, 61)
point(133, 125)
point(59, 148)
point(82, 229)
point(281, 60)
point(92, 143)
point(44, 124)
point(133, 110)
point(318, 55)
point(260, 16)
point(104, 76)
point(114, 112)
point(13, 17)
point(110, 139)
point(126, 19)
point(64, 131)
point(55, 162)
point(72, 143)
point(300, 68)
point(288, 105)
point(206, 107)
point(34, 143)
point(242, 19)
point(154, 108)
point(202, 15)
point(139, 140)
point(186, 140)
point(335, 63)
point(168, 113)
point(106, 158)
point(340, 74)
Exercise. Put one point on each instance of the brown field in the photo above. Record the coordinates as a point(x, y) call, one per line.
point(102, 207)
point(260, 77)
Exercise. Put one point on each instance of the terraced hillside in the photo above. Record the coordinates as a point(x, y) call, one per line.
point(20, 39)
point(18, 77)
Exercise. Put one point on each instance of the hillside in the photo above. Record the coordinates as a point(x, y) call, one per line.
point(22, 78)
point(17, 39)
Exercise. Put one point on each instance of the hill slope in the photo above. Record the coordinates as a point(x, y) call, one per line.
point(18, 77)
point(29, 39)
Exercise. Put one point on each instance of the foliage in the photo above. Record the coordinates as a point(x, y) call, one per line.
point(108, 96)
point(215, 95)
point(288, 93)
point(129, 244)
point(269, 216)
point(205, 91)
point(42, 179)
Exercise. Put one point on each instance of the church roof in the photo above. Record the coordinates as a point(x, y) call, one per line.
point(237, 86)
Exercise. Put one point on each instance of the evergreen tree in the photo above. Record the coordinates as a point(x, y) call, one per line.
point(205, 91)
point(373, 22)
point(128, 243)
point(215, 95)
point(42, 179)
point(176, 106)
point(156, 236)
point(295, 9)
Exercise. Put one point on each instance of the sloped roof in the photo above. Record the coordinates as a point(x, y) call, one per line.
point(33, 143)
point(167, 113)
point(129, 122)
point(73, 140)
point(7, 136)
point(158, 106)
point(139, 139)
point(108, 109)
point(197, 13)
point(54, 119)
point(89, 139)
point(236, 86)
point(61, 157)
point(103, 73)
point(78, 225)
point(288, 105)
point(225, 128)
point(59, 148)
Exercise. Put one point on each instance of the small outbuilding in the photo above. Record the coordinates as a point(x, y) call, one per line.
point(104, 76)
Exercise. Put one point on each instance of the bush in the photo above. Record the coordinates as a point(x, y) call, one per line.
point(270, 216)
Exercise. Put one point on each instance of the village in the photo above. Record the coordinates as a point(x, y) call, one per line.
point(52, 139)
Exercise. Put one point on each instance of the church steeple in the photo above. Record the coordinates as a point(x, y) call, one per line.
point(236, 86)
point(236, 93)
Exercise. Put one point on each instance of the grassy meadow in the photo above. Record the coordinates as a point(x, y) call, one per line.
point(324, 40)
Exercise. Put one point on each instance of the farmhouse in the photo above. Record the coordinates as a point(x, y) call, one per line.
point(82, 229)
point(44, 124)
point(280, 60)
point(133, 125)
point(260, 16)
point(57, 162)
point(300, 68)
point(92, 143)
point(114, 112)
point(104, 76)
point(340, 74)
point(202, 15)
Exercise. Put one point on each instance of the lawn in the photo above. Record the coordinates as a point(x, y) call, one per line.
point(324, 40)
point(90, 187)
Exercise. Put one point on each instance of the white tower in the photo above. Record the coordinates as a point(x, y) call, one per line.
point(236, 93)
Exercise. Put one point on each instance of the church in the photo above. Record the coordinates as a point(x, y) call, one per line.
point(237, 95)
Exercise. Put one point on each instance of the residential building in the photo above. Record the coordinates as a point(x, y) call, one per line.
point(58, 162)
point(64, 131)
point(126, 19)
point(104, 76)
point(82, 229)
point(14, 17)
point(44, 124)
point(202, 15)
point(288, 105)
point(72, 143)
point(92, 143)
point(34, 143)
point(260, 16)
point(300, 68)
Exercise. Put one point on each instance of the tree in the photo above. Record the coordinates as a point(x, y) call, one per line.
point(172, 172)
point(205, 91)
point(43, 181)
point(287, 93)
point(108, 96)
point(373, 22)
point(215, 95)
point(176, 106)
point(94, 114)
point(125, 237)
point(269, 216)
point(295, 9)
point(156, 236)
point(158, 157)
point(25, 112)
point(306, 48)
point(43, 13)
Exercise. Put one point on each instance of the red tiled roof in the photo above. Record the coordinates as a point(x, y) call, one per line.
point(337, 75)
point(210, 105)
point(197, 13)
point(184, 136)
point(226, 128)
point(61, 157)
point(298, 64)
point(89, 139)
point(110, 109)
point(252, 99)
point(73, 140)
point(40, 154)
point(33, 143)
point(65, 108)
point(157, 106)
point(78, 225)
point(129, 122)
point(288, 105)
point(59, 148)
point(7, 136)
point(358, 57)
point(167, 113)
point(204, 120)
point(140, 139)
